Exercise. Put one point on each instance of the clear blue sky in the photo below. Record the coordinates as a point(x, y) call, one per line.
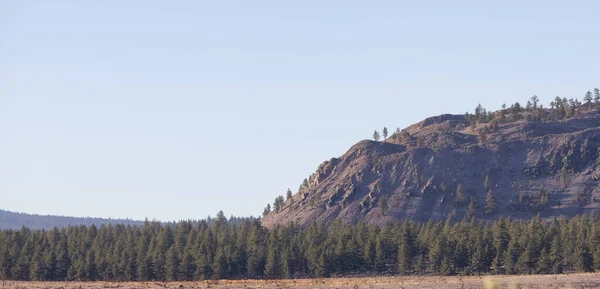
point(176, 109)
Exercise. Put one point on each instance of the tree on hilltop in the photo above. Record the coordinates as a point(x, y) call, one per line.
point(376, 136)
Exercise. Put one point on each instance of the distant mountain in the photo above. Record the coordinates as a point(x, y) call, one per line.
point(12, 220)
point(516, 162)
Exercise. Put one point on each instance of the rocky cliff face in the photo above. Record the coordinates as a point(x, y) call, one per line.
point(439, 167)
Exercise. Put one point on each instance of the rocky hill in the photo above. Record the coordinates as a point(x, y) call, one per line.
point(516, 162)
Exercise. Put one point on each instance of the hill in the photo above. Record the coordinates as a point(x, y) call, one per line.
point(12, 220)
point(516, 162)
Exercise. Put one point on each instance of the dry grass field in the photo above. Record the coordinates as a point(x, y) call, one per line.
point(412, 282)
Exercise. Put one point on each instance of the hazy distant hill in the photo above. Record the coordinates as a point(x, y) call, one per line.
point(12, 220)
point(516, 162)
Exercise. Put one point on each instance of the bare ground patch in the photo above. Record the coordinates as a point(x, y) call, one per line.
point(591, 280)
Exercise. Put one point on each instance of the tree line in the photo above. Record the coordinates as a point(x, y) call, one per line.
point(224, 250)
point(533, 110)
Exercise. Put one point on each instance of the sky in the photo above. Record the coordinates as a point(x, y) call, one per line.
point(175, 110)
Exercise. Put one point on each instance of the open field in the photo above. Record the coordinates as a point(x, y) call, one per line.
point(591, 280)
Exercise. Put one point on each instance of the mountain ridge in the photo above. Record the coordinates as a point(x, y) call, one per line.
point(15, 220)
point(522, 161)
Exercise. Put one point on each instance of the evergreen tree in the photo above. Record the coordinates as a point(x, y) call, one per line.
point(288, 194)
point(187, 268)
point(219, 266)
point(383, 205)
point(203, 268)
point(544, 264)
point(406, 252)
point(273, 266)
point(385, 133)
point(267, 210)
point(460, 196)
point(501, 240)
point(490, 202)
point(397, 134)
point(446, 268)
point(376, 136)
point(471, 209)
point(172, 264)
point(421, 264)
point(220, 248)
point(511, 256)
point(588, 99)
point(584, 261)
point(278, 204)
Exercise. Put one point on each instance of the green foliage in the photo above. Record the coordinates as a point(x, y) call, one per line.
point(385, 133)
point(267, 210)
point(460, 199)
point(471, 210)
point(383, 205)
point(376, 136)
point(406, 251)
point(490, 202)
point(278, 203)
point(223, 249)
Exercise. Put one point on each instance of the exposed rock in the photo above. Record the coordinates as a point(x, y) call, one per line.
point(419, 182)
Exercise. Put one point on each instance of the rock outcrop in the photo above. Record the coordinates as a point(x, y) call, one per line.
point(548, 167)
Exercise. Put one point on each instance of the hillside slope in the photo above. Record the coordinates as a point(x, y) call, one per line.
point(12, 220)
point(535, 161)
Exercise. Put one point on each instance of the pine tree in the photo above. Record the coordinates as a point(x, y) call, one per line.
point(172, 264)
point(397, 135)
point(479, 258)
point(588, 99)
point(6, 261)
point(583, 259)
point(287, 263)
point(203, 268)
point(321, 270)
point(288, 194)
point(187, 268)
point(267, 210)
point(376, 136)
point(278, 204)
point(273, 264)
point(501, 240)
point(460, 196)
point(385, 133)
point(383, 205)
point(544, 264)
point(471, 210)
point(421, 264)
point(406, 252)
point(369, 253)
point(446, 268)
point(490, 202)
point(21, 269)
point(38, 267)
point(219, 266)
point(437, 253)
point(511, 256)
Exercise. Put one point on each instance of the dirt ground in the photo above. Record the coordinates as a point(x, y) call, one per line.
point(412, 282)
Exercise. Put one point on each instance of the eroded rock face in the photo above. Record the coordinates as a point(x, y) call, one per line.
point(549, 168)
